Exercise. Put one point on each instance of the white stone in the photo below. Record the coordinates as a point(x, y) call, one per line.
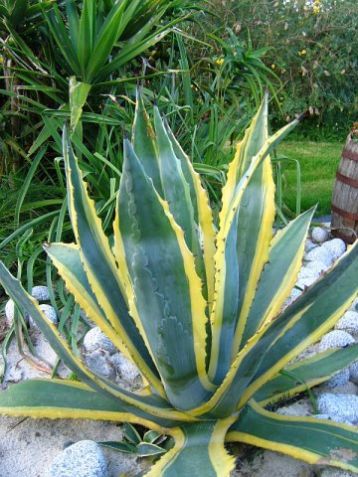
point(320, 254)
point(99, 363)
point(348, 388)
point(335, 339)
point(348, 322)
point(354, 305)
point(10, 312)
point(127, 370)
point(331, 472)
point(309, 245)
point(317, 267)
point(299, 408)
point(295, 293)
point(339, 379)
point(339, 407)
point(335, 247)
point(49, 312)
point(353, 372)
point(44, 350)
point(83, 459)
point(319, 234)
point(40, 293)
point(95, 339)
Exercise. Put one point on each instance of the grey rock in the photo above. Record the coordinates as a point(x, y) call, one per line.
point(331, 472)
point(299, 408)
point(339, 407)
point(335, 339)
point(320, 234)
point(317, 267)
point(339, 379)
point(10, 313)
point(95, 339)
point(83, 459)
point(335, 247)
point(348, 322)
point(40, 293)
point(348, 388)
point(353, 372)
point(320, 254)
point(99, 363)
point(309, 245)
point(49, 312)
point(354, 305)
point(127, 371)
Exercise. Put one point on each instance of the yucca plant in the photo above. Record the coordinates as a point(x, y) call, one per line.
point(199, 311)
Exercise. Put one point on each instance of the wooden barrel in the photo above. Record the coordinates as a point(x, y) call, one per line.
point(345, 193)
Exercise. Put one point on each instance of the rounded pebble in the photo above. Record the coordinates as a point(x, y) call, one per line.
point(49, 312)
point(127, 370)
point(317, 267)
point(353, 372)
point(309, 245)
point(339, 407)
point(95, 339)
point(99, 363)
point(335, 247)
point(335, 339)
point(40, 293)
point(83, 459)
point(348, 322)
point(10, 312)
point(320, 254)
point(319, 234)
point(339, 379)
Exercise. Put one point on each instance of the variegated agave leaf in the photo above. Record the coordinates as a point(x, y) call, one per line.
point(197, 306)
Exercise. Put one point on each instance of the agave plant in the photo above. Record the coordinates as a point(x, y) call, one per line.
point(200, 311)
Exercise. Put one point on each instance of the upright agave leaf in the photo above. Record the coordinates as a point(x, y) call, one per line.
point(198, 311)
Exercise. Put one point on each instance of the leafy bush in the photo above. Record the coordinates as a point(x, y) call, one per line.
point(152, 287)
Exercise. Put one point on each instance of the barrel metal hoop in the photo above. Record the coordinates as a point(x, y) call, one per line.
point(344, 213)
point(347, 180)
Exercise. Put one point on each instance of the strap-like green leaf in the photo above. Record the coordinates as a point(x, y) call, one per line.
point(98, 261)
point(315, 441)
point(151, 405)
point(227, 303)
point(63, 399)
point(280, 341)
point(199, 451)
point(279, 275)
point(167, 289)
point(305, 374)
point(67, 260)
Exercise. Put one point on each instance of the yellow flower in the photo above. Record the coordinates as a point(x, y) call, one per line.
point(273, 66)
point(219, 61)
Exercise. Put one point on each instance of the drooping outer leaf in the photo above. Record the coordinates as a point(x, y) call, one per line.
point(198, 450)
point(280, 341)
point(305, 374)
point(148, 405)
point(100, 266)
point(61, 399)
point(279, 275)
point(167, 289)
point(226, 307)
point(316, 441)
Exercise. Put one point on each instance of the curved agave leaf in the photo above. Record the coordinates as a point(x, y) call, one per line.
point(175, 180)
point(99, 263)
point(149, 404)
point(167, 289)
point(67, 260)
point(305, 374)
point(226, 309)
point(280, 341)
point(199, 450)
point(61, 399)
point(279, 275)
point(315, 441)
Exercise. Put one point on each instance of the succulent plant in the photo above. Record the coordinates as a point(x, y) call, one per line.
point(199, 309)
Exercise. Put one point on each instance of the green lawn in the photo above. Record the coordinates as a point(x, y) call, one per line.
point(319, 162)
